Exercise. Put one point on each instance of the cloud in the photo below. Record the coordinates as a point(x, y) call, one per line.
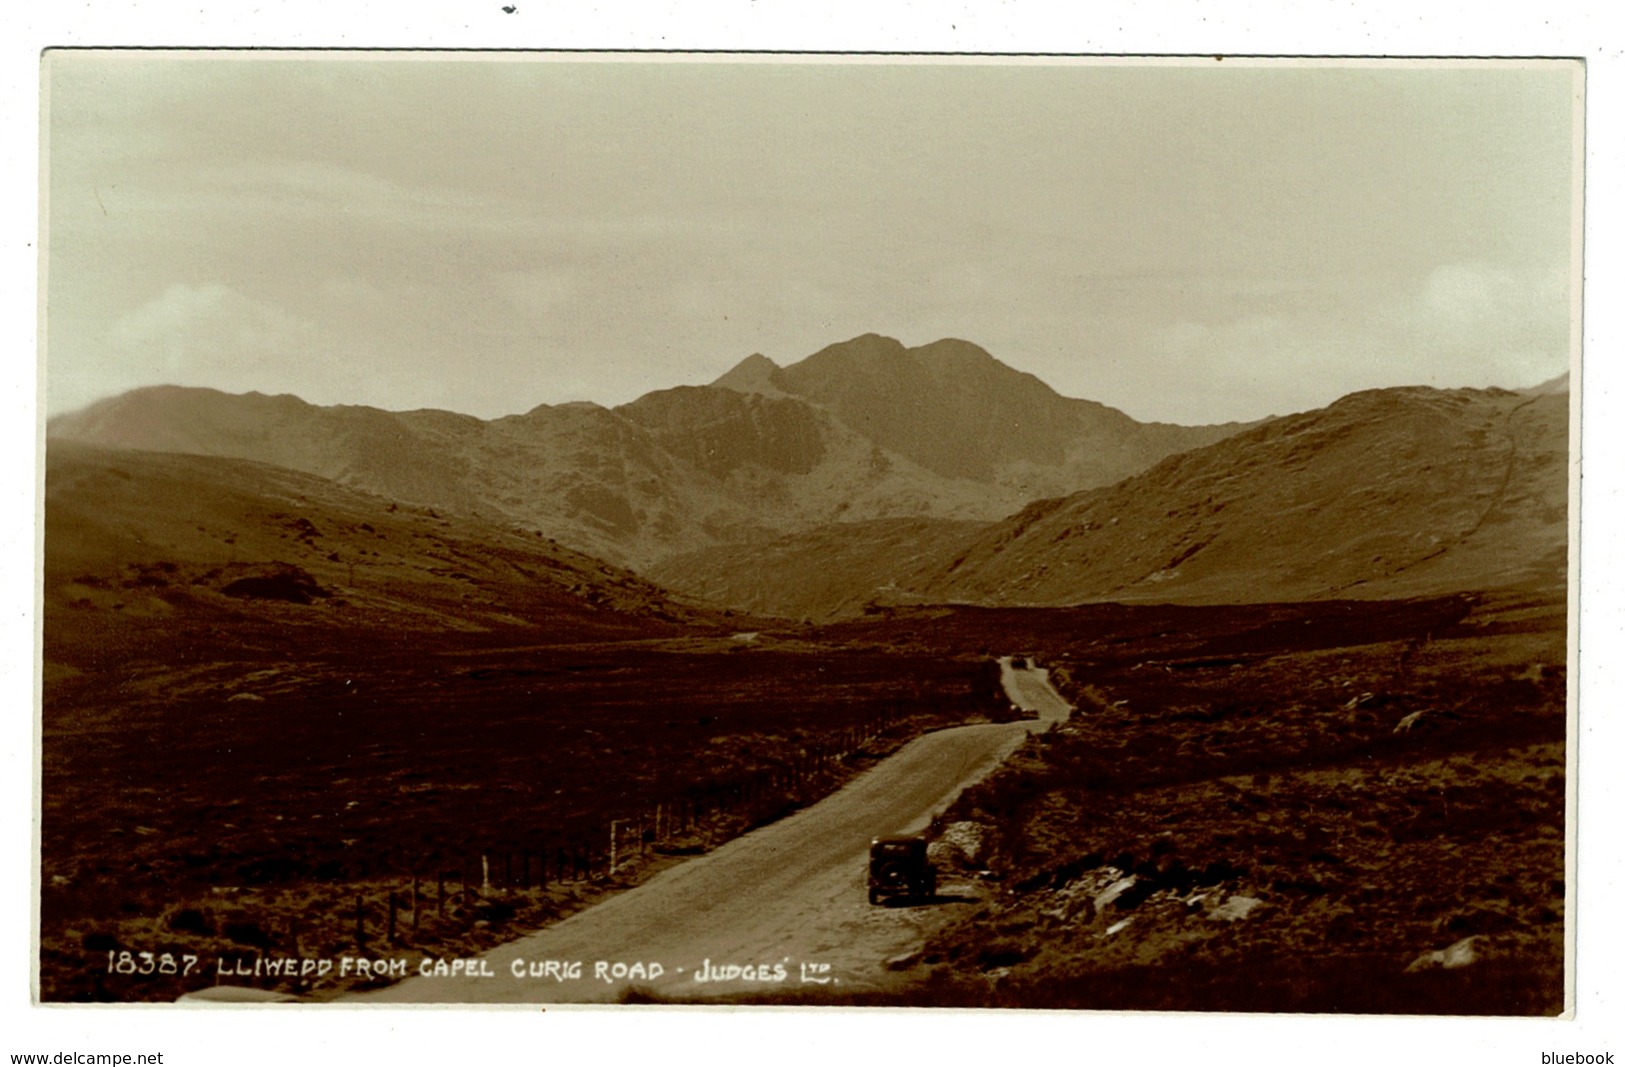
point(1478, 324)
point(191, 329)
point(1458, 325)
point(208, 335)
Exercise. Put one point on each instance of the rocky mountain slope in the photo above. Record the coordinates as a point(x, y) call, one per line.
point(958, 412)
point(1393, 492)
point(863, 430)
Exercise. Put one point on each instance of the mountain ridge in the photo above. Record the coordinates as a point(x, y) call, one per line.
point(1393, 492)
point(770, 450)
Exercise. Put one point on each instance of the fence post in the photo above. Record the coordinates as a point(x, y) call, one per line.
point(485, 874)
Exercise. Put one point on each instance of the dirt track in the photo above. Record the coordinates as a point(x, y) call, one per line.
point(787, 899)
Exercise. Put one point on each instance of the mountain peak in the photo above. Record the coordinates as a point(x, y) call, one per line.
point(954, 347)
point(753, 374)
point(868, 347)
point(955, 410)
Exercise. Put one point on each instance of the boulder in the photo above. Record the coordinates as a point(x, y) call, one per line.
point(1409, 722)
point(1461, 954)
point(960, 844)
point(1426, 719)
point(1234, 908)
point(1115, 890)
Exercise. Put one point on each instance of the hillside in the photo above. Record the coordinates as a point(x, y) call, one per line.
point(152, 557)
point(1395, 492)
point(860, 431)
point(822, 573)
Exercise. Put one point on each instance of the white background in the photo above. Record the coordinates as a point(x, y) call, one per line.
point(1395, 27)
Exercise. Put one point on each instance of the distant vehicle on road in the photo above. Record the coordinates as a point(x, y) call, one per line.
point(898, 867)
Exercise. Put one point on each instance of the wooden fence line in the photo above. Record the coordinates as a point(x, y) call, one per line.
point(726, 807)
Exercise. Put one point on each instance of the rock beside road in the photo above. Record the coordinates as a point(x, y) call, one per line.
point(961, 844)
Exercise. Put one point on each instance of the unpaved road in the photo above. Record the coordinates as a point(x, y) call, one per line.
point(1029, 688)
point(790, 895)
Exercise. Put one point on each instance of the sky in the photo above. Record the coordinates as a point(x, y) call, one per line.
point(1196, 241)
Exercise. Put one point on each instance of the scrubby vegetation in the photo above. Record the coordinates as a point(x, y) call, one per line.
point(270, 796)
point(1285, 829)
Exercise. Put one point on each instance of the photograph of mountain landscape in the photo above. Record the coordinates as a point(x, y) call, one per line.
point(841, 531)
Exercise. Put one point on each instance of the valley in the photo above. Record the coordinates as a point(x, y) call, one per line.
point(337, 681)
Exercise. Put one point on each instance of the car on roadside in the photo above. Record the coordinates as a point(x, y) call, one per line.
point(899, 867)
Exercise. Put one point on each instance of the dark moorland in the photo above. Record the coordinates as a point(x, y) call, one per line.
point(216, 826)
point(1353, 807)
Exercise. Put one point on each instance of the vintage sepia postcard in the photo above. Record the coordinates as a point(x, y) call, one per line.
point(838, 531)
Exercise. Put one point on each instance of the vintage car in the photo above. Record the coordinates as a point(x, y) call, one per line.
point(898, 867)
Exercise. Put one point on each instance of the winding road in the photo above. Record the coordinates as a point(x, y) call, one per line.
point(783, 906)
